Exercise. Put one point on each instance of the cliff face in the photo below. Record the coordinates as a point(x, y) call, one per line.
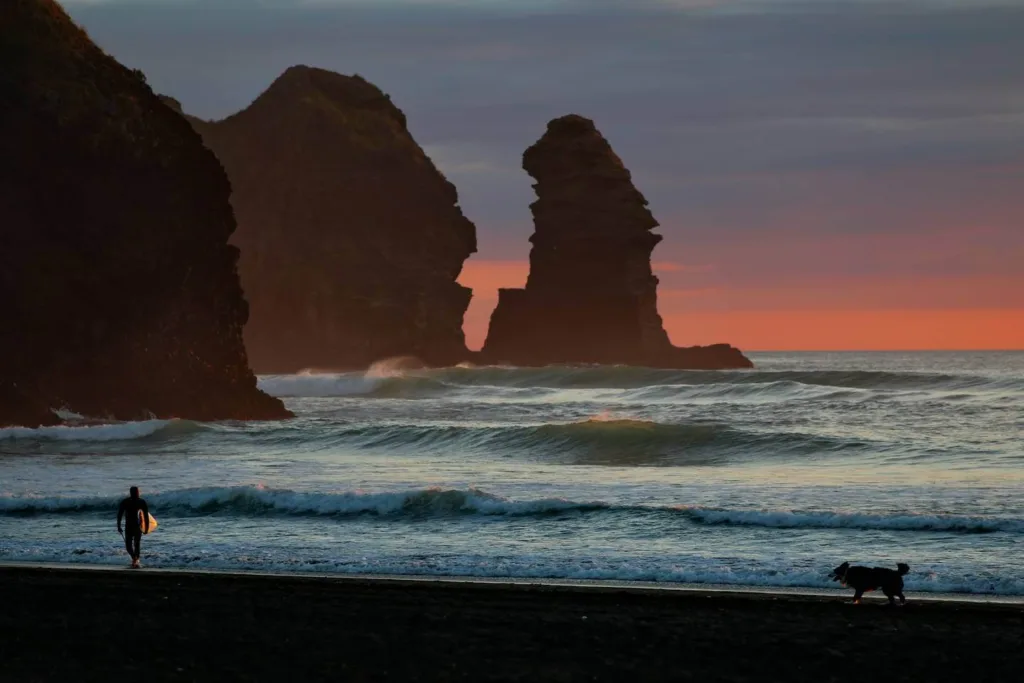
point(351, 239)
point(591, 296)
point(119, 291)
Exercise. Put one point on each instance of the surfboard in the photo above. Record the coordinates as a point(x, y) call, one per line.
point(142, 523)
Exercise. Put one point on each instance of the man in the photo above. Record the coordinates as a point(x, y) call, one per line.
point(132, 509)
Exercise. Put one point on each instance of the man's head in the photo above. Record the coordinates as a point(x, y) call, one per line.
point(134, 492)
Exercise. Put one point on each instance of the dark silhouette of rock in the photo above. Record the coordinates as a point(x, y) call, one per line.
point(174, 104)
point(119, 292)
point(17, 408)
point(591, 296)
point(351, 238)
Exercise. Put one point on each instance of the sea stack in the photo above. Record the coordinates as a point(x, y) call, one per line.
point(119, 290)
point(352, 240)
point(591, 296)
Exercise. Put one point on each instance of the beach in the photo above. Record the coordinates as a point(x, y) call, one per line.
point(100, 624)
point(492, 523)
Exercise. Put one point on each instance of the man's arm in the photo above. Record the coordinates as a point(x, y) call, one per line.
point(120, 514)
point(145, 514)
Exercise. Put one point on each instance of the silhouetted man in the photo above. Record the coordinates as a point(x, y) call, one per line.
point(136, 515)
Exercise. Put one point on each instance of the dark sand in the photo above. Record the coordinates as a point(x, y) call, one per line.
point(77, 625)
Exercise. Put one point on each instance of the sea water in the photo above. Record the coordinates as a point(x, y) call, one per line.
point(768, 477)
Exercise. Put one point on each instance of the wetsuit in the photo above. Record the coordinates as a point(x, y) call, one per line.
point(129, 509)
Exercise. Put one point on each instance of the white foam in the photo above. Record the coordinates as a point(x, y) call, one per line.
point(96, 432)
point(355, 502)
point(399, 366)
point(248, 500)
point(258, 499)
point(785, 519)
point(312, 383)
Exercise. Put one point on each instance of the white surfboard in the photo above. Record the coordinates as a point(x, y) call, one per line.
point(142, 523)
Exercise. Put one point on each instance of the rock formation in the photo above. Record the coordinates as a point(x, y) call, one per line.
point(591, 296)
point(119, 292)
point(351, 239)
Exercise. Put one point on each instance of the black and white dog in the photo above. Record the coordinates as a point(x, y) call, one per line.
point(866, 579)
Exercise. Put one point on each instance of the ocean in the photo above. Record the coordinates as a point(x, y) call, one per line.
point(758, 478)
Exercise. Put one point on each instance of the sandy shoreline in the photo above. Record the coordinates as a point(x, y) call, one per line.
point(639, 587)
point(61, 623)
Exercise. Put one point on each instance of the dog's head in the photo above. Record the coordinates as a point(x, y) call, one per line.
point(839, 573)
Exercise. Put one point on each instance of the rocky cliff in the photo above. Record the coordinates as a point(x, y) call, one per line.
point(351, 239)
point(591, 296)
point(119, 291)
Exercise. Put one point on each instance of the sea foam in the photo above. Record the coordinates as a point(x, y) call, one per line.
point(246, 501)
point(116, 431)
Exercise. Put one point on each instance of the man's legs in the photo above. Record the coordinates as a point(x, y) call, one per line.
point(133, 541)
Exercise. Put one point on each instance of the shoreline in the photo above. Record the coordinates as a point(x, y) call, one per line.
point(753, 592)
point(167, 625)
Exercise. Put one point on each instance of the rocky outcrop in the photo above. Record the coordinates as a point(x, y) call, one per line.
point(591, 296)
point(119, 291)
point(351, 239)
point(20, 409)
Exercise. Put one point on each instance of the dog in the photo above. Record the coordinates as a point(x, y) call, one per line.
point(866, 579)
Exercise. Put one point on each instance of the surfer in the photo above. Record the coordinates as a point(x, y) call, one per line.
point(134, 510)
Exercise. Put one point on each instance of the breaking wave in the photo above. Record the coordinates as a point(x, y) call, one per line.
point(651, 383)
point(257, 500)
point(250, 501)
point(116, 431)
point(597, 440)
point(603, 441)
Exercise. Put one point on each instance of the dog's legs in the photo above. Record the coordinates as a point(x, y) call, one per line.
point(903, 600)
point(857, 596)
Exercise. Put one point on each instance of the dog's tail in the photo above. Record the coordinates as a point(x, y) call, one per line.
point(903, 568)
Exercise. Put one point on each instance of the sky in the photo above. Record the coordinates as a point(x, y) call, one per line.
point(835, 174)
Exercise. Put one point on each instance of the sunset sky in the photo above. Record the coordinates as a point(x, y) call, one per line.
point(836, 174)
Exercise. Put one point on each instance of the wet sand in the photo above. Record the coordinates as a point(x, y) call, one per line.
point(60, 624)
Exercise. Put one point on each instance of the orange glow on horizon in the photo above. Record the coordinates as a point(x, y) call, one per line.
point(852, 330)
point(795, 319)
